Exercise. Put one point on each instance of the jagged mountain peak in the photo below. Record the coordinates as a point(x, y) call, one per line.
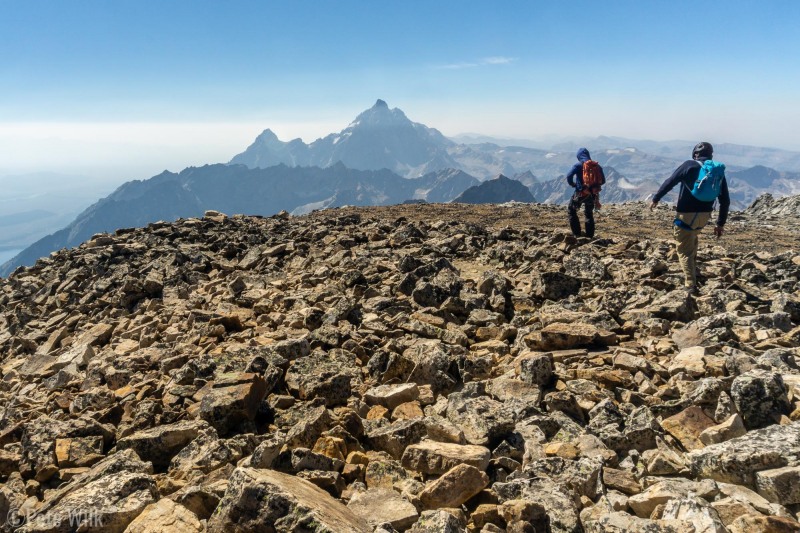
point(379, 137)
point(267, 135)
point(380, 115)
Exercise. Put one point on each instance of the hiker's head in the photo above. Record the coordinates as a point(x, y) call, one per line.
point(583, 154)
point(702, 150)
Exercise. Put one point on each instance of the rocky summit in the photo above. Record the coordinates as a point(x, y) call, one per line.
point(421, 368)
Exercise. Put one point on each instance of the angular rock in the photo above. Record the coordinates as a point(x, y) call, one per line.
point(437, 522)
point(381, 506)
point(454, 487)
point(760, 398)
point(255, 498)
point(396, 437)
point(158, 445)
point(390, 396)
point(764, 524)
point(429, 457)
point(780, 485)
point(165, 516)
point(738, 460)
point(108, 504)
point(687, 426)
point(558, 336)
point(729, 429)
point(233, 399)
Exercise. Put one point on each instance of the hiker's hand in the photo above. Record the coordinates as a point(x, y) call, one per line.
point(653, 205)
point(718, 231)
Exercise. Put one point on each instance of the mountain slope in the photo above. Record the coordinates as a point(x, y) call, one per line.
point(496, 191)
point(238, 189)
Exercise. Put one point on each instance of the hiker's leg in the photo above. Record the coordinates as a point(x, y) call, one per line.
point(686, 246)
point(572, 209)
point(702, 220)
point(588, 210)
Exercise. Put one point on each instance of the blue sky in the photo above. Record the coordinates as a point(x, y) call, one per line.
point(174, 83)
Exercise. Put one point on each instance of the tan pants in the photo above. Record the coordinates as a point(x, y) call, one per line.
point(686, 242)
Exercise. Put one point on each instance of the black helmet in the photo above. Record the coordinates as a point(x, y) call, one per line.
point(703, 149)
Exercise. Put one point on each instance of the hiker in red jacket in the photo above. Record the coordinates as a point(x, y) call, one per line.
point(586, 176)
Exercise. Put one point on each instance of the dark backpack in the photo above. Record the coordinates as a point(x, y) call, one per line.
point(592, 177)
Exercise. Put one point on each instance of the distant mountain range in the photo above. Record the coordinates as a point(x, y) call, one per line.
point(734, 155)
point(378, 138)
point(238, 189)
point(744, 187)
point(382, 157)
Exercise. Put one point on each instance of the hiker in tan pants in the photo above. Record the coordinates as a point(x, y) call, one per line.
point(693, 213)
point(686, 242)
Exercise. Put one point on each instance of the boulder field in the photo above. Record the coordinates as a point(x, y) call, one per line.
point(399, 369)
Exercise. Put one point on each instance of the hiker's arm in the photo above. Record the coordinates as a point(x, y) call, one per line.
point(724, 203)
point(571, 176)
point(669, 184)
point(602, 175)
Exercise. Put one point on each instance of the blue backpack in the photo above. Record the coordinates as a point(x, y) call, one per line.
point(709, 181)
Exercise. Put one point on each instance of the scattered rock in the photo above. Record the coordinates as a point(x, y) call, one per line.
point(430, 372)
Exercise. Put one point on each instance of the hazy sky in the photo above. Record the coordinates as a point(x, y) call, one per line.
point(140, 86)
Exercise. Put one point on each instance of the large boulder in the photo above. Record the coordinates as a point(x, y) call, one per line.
point(233, 398)
point(160, 444)
point(560, 336)
point(105, 505)
point(381, 506)
point(166, 516)
point(429, 457)
point(266, 500)
point(738, 460)
point(760, 397)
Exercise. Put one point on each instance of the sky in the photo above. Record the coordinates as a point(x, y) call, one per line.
point(125, 89)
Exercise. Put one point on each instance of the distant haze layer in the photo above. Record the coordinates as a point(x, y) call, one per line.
point(137, 150)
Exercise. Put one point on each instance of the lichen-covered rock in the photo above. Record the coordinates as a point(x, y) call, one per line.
point(437, 522)
point(738, 460)
point(780, 485)
point(454, 487)
point(760, 398)
point(259, 499)
point(108, 504)
point(165, 516)
point(232, 399)
point(381, 506)
point(429, 457)
point(158, 445)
